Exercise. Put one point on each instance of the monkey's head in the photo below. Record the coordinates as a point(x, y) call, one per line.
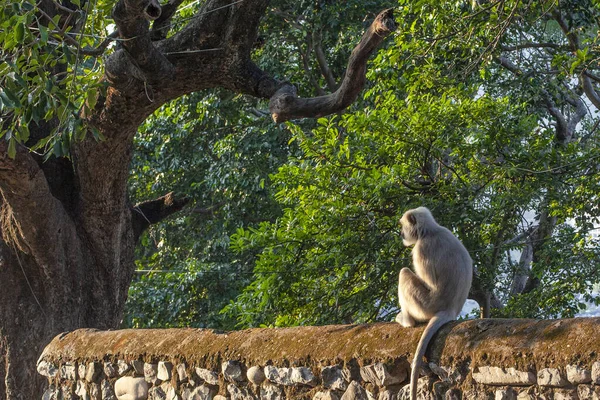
point(415, 224)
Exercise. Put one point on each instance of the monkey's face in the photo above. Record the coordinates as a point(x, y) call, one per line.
point(409, 231)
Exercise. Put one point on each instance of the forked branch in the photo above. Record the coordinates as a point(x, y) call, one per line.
point(286, 105)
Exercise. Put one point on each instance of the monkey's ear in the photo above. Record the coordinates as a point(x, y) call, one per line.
point(411, 219)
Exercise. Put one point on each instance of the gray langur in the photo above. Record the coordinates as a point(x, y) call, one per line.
point(438, 289)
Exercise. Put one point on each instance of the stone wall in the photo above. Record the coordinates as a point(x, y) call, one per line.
point(478, 359)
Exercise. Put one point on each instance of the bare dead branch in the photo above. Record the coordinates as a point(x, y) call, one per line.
point(286, 105)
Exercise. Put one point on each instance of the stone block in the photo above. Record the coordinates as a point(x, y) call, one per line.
point(379, 374)
point(333, 378)
point(122, 367)
point(255, 375)
point(81, 391)
point(269, 391)
point(562, 394)
point(281, 376)
point(596, 372)
point(68, 372)
point(302, 376)
point(157, 393)
point(551, 377)
point(150, 373)
point(588, 392)
point(387, 395)
point(505, 394)
point(503, 376)
point(182, 375)
point(232, 371)
point(138, 367)
point(110, 370)
point(208, 376)
point(327, 395)
point(107, 391)
point(131, 388)
point(577, 374)
point(355, 392)
point(164, 370)
point(47, 369)
point(237, 393)
point(92, 372)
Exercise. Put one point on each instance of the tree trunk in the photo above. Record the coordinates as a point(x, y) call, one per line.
point(68, 229)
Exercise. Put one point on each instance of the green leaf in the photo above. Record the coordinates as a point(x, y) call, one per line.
point(12, 147)
point(19, 32)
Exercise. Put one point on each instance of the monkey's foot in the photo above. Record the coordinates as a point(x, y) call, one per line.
point(405, 320)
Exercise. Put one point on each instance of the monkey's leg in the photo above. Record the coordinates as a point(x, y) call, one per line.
point(413, 295)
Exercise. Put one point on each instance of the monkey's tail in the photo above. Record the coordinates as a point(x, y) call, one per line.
point(432, 327)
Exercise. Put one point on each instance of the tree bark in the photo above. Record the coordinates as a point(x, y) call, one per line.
point(68, 229)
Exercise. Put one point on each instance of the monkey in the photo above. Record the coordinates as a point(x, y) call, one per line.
point(436, 292)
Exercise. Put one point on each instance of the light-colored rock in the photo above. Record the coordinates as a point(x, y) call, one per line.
point(47, 369)
point(182, 375)
point(157, 393)
point(94, 389)
point(50, 393)
point(269, 391)
point(92, 372)
point(81, 371)
point(355, 392)
point(171, 393)
point(551, 377)
point(577, 374)
point(281, 376)
point(565, 395)
point(81, 391)
point(596, 372)
point(122, 367)
point(588, 392)
point(255, 375)
point(333, 378)
point(379, 374)
point(505, 394)
point(237, 393)
point(232, 371)
point(138, 367)
point(303, 376)
point(164, 370)
point(67, 372)
point(524, 395)
point(328, 395)
point(208, 376)
point(150, 373)
point(503, 376)
point(202, 392)
point(107, 391)
point(110, 370)
point(219, 397)
point(387, 395)
point(130, 388)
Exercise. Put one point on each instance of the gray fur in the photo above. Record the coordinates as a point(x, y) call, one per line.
point(437, 290)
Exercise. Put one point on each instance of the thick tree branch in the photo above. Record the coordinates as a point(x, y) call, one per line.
point(153, 211)
point(138, 57)
point(160, 27)
point(285, 104)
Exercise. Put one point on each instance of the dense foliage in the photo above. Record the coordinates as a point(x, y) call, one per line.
point(474, 110)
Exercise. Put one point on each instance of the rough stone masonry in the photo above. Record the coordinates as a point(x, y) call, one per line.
point(478, 359)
